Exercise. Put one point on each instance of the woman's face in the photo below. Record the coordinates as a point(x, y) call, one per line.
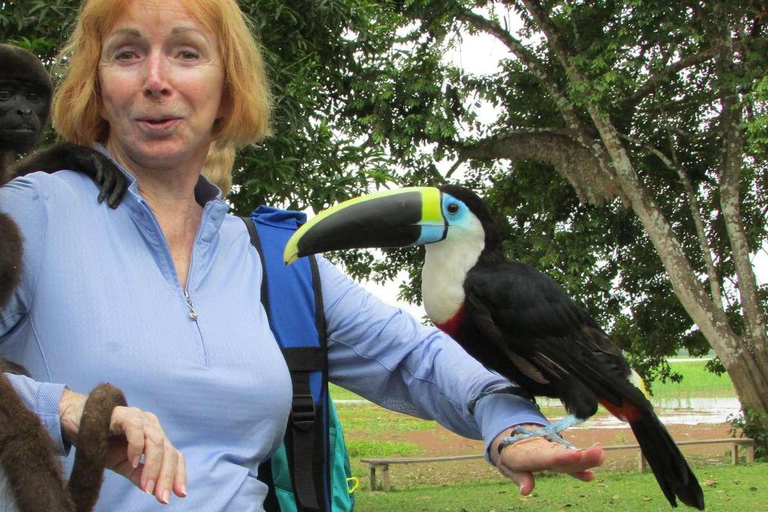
point(161, 78)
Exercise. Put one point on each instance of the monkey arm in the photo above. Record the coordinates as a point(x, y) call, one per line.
point(10, 258)
point(65, 155)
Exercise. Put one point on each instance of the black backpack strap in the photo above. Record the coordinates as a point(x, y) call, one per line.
point(265, 468)
point(306, 439)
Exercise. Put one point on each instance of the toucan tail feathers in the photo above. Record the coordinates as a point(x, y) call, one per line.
point(667, 462)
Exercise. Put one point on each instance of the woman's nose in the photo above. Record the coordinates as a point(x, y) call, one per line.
point(156, 83)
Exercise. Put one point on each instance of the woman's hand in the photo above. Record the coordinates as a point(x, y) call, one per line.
point(520, 460)
point(133, 432)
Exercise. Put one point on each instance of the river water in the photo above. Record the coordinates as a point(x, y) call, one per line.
point(682, 411)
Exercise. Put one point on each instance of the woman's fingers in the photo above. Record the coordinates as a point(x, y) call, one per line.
point(167, 474)
point(154, 448)
point(132, 424)
point(139, 433)
point(537, 454)
point(180, 481)
point(522, 459)
point(523, 479)
point(584, 476)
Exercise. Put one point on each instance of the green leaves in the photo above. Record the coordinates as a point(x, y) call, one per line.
point(365, 98)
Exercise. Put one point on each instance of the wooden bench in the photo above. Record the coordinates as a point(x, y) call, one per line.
point(382, 464)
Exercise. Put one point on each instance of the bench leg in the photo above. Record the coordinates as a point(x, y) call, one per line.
point(641, 462)
point(385, 477)
point(751, 454)
point(372, 475)
point(735, 454)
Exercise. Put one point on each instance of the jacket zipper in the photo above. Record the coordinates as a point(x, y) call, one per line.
point(190, 306)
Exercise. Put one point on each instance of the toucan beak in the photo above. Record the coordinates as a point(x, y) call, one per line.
point(393, 218)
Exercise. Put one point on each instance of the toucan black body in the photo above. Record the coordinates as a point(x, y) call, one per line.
point(512, 318)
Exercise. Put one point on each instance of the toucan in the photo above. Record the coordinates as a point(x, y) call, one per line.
point(512, 318)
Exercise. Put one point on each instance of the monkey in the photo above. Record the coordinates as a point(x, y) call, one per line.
point(27, 454)
point(25, 94)
point(25, 105)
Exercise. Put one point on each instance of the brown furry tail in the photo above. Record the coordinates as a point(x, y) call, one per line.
point(28, 457)
point(669, 466)
point(93, 437)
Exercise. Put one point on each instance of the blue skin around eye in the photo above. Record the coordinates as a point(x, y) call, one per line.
point(430, 233)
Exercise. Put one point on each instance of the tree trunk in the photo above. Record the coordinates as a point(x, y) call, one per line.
point(750, 379)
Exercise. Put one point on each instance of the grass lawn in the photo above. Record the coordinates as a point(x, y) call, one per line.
point(726, 488)
point(697, 383)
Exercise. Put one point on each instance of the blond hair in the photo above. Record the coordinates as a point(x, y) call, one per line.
point(246, 93)
point(218, 166)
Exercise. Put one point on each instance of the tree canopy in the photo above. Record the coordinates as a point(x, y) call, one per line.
point(627, 155)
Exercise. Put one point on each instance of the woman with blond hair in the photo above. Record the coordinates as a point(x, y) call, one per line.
point(161, 298)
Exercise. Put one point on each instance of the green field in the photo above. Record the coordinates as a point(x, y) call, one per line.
point(475, 486)
point(697, 383)
point(726, 488)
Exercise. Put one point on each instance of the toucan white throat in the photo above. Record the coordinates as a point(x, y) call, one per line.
point(446, 266)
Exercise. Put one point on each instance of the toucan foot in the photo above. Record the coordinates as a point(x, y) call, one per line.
point(550, 433)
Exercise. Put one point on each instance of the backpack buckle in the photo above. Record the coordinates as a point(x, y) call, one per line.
point(303, 411)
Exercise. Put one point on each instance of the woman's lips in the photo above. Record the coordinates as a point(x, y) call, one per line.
point(159, 125)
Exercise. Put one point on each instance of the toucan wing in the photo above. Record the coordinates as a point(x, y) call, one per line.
point(531, 318)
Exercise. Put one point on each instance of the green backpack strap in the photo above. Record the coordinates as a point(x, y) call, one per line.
point(343, 484)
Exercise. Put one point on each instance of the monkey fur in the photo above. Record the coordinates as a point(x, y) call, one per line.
point(27, 454)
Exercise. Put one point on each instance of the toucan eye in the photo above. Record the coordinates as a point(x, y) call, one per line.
point(452, 208)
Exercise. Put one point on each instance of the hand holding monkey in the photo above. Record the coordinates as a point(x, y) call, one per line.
point(133, 432)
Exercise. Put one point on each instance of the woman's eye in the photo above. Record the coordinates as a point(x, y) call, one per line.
point(125, 55)
point(188, 55)
point(453, 208)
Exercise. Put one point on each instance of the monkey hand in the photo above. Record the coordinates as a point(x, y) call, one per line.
point(133, 433)
point(65, 155)
point(518, 461)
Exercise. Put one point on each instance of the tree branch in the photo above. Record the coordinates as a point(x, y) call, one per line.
point(557, 148)
point(714, 281)
point(664, 75)
point(730, 174)
point(577, 128)
point(668, 72)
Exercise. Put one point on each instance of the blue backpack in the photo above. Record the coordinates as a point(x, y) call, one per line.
point(310, 471)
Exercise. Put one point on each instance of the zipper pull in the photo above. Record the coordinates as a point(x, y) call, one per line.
point(192, 312)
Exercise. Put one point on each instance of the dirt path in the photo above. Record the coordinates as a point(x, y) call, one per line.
point(441, 442)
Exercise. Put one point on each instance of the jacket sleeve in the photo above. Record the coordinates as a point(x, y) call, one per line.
point(385, 355)
point(23, 201)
